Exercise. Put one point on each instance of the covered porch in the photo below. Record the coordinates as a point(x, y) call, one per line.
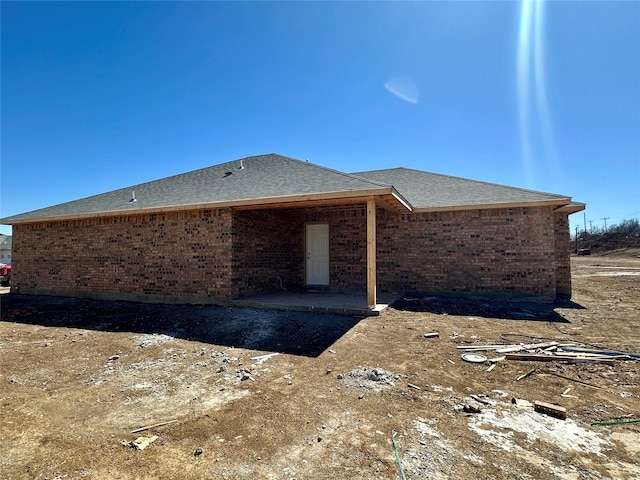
point(277, 263)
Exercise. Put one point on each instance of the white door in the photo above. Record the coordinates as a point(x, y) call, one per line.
point(317, 251)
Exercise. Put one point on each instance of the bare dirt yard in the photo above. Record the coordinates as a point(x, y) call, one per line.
point(254, 394)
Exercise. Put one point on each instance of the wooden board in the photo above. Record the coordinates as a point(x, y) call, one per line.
point(550, 409)
point(539, 357)
point(371, 253)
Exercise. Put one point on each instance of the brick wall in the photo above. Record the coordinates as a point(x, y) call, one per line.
point(229, 254)
point(184, 254)
point(504, 251)
point(562, 255)
point(270, 243)
point(497, 251)
point(347, 244)
point(268, 251)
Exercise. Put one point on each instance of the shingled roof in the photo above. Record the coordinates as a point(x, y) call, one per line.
point(432, 191)
point(258, 180)
point(276, 180)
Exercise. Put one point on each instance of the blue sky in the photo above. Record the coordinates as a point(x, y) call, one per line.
point(97, 96)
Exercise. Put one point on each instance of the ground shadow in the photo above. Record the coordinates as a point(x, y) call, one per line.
point(509, 310)
point(297, 333)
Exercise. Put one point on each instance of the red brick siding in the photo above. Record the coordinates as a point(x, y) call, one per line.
point(267, 251)
point(228, 254)
point(506, 251)
point(270, 243)
point(563, 255)
point(184, 254)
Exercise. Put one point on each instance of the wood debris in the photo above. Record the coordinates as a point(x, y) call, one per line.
point(259, 360)
point(613, 353)
point(522, 404)
point(481, 400)
point(550, 409)
point(147, 427)
point(497, 359)
point(551, 351)
point(525, 375)
point(140, 443)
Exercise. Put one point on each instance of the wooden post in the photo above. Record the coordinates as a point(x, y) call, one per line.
point(371, 253)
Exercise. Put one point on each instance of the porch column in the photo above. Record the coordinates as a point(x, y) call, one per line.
point(371, 253)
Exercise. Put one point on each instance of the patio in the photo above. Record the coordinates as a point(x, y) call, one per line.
point(346, 303)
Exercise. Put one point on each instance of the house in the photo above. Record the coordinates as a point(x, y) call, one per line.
point(5, 249)
point(265, 222)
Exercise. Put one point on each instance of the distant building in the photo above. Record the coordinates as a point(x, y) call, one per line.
point(5, 248)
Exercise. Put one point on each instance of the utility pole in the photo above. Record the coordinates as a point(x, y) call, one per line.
point(576, 239)
point(605, 223)
point(590, 226)
point(585, 221)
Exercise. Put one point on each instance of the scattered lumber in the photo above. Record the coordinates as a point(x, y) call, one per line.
point(550, 409)
point(532, 356)
point(148, 427)
point(565, 394)
point(522, 404)
point(525, 375)
point(542, 357)
point(481, 347)
point(613, 353)
point(594, 356)
point(551, 351)
point(521, 348)
point(260, 359)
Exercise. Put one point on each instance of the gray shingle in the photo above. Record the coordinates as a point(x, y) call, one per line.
point(263, 176)
point(275, 176)
point(426, 190)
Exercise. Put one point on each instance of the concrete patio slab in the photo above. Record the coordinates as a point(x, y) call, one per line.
point(346, 303)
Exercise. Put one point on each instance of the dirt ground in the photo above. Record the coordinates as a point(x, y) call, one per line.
point(78, 376)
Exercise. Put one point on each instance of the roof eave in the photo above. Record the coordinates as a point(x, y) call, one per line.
point(388, 197)
point(573, 207)
point(555, 202)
